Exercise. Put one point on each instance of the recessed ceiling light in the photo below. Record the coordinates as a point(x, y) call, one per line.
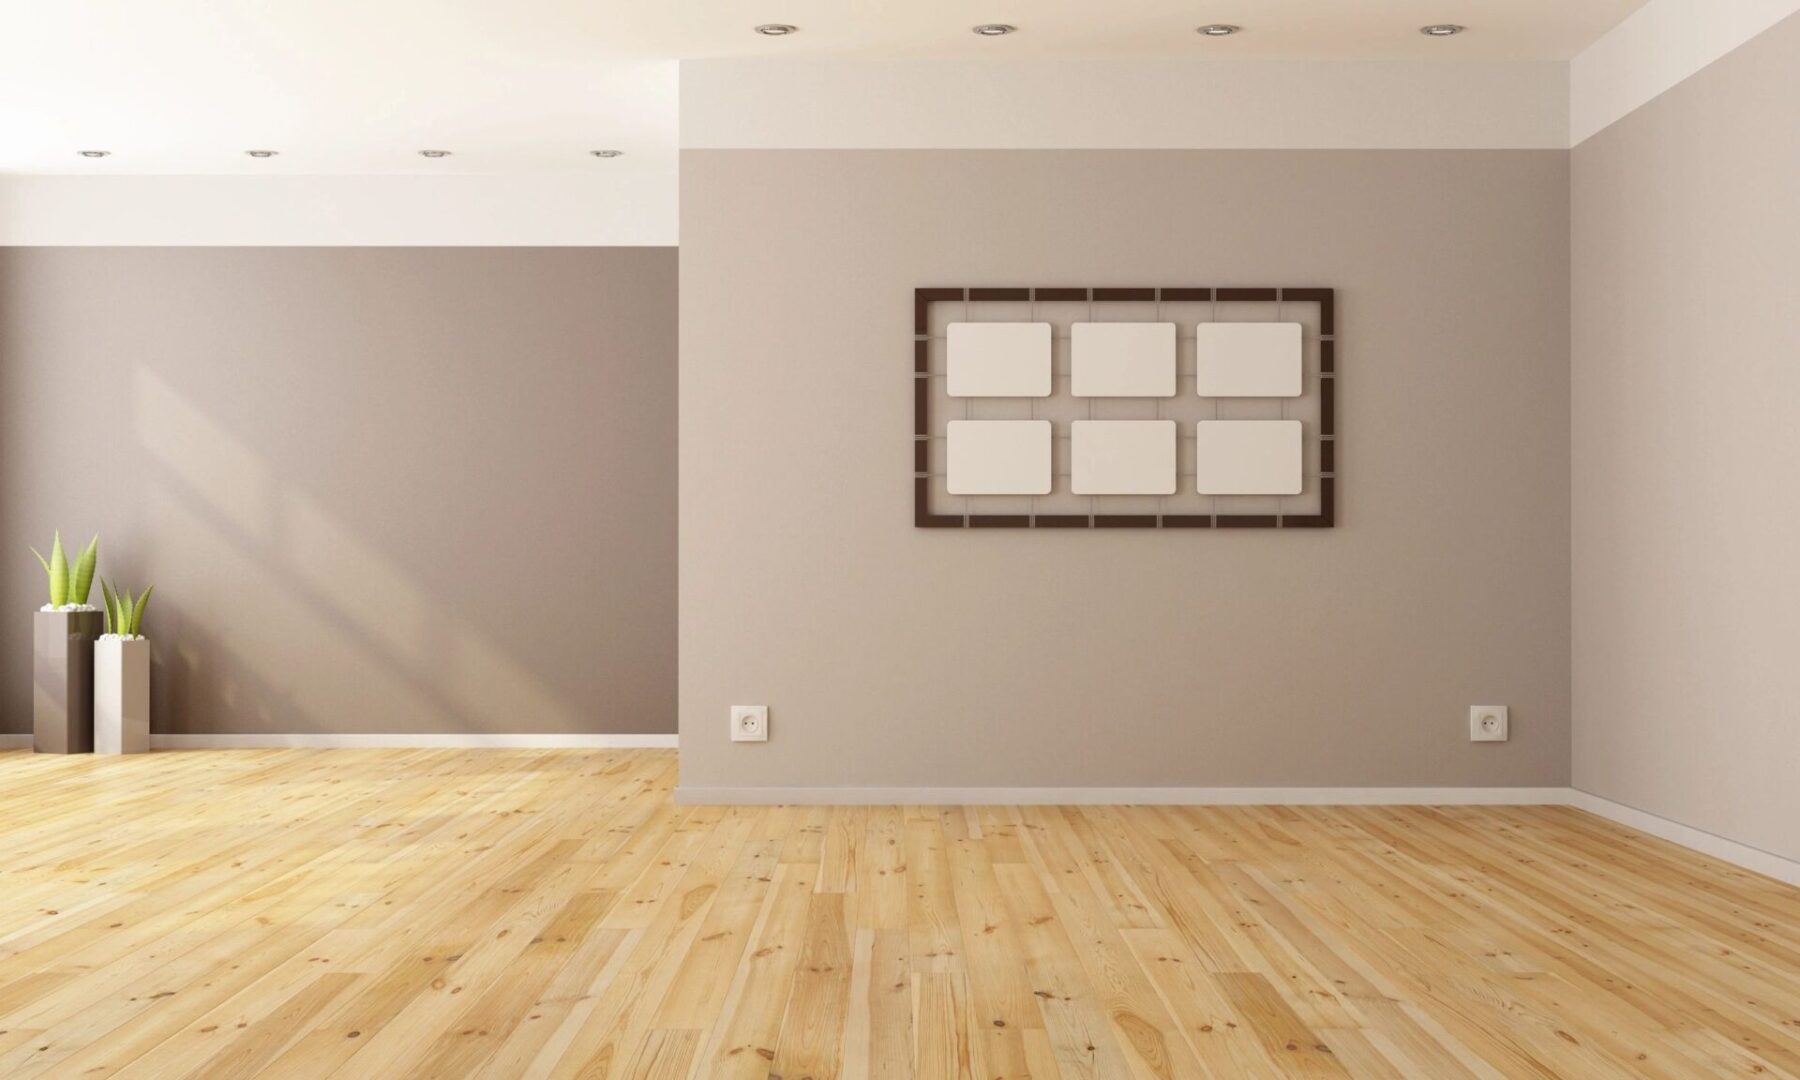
point(262, 153)
point(995, 29)
point(607, 153)
point(94, 153)
point(777, 29)
point(1218, 29)
point(1441, 29)
point(434, 153)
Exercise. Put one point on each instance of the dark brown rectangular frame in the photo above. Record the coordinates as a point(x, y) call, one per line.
point(1326, 518)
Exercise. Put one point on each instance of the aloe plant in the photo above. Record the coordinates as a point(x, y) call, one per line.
point(124, 616)
point(69, 585)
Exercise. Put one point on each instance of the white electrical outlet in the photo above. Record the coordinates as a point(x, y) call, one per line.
point(749, 723)
point(1487, 723)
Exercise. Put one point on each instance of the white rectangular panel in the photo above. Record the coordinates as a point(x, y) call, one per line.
point(998, 359)
point(998, 457)
point(1247, 457)
point(1239, 359)
point(1125, 359)
point(1122, 457)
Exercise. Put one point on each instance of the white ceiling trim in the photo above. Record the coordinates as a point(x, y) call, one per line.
point(637, 208)
point(1659, 45)
point(1063, 103)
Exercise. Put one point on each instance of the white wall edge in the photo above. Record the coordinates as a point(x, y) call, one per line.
point(1657, 46)
point(1121, 796)
point(842, 103)
point(456, 740)
point(634, 206)
point(1763, 862)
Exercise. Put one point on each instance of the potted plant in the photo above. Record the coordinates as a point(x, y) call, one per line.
point(122, 676)
point(63, 633)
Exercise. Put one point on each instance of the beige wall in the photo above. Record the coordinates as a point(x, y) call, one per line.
point(1686, 389)
point(378, 490)
point(898, 657)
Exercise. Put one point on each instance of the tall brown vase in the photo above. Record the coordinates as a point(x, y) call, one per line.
point(62, 680)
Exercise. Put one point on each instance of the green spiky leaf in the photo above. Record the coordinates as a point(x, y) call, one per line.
point(82, 583)
point(137, 612)
point(59, 574)
point(115, 607)
point(107, 595)
point(45, 563)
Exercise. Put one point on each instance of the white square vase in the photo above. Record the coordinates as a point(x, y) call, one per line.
point(121, 695)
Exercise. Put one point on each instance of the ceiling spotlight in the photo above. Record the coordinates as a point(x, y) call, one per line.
point(1441, 29)
point(94, 153)
point(434, 153)
point(607, 153)
point(262, 153)
point(1218, 29)
point(995, 29)
point(777, 29)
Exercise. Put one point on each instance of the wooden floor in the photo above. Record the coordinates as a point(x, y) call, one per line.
point(393, 913)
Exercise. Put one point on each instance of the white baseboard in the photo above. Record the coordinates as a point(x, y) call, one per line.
point(1776, 866)
point(466, 740)
point(1763, 862)
point(1120, 796)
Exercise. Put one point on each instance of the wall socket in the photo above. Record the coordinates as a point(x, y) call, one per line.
point(749, 723)
point(1487, 723)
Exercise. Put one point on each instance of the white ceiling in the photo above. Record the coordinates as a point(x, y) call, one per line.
point(1335, 29)
point(358, 86)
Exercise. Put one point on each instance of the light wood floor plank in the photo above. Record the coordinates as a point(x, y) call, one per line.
point(812, 1032)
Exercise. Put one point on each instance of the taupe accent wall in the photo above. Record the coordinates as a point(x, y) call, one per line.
point(1686, 394)
point(895, 656)
point(377, 489)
